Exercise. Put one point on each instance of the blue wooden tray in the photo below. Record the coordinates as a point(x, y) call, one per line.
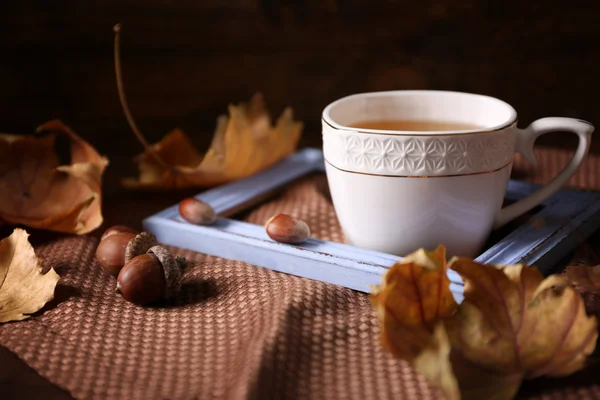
point(542, 239)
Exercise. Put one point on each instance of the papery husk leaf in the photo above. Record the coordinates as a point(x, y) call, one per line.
point(244, 143)
point(434, 363)
point(38, 192)
point(476, 383)
point(513, 324)
point(414, 296)
point(23, 288)
point(459, 378)
point(513, 320)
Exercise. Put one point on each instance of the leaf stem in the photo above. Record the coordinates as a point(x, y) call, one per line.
point(123, 99)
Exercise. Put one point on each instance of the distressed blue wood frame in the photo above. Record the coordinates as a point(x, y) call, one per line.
point(566, 219)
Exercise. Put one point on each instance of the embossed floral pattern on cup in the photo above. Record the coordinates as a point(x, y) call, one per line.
point(418, 155)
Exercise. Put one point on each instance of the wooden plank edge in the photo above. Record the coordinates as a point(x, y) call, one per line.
point(307, 261)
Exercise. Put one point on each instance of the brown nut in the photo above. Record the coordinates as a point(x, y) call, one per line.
point(115, 249)
point(196, 211)
point(142, 280)
point(111, 252)
point(117, 229)
point(287, 229)
point(151, 277)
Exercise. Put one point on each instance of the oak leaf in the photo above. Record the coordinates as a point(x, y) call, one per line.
point(23, 288)
point(40, 193)
point(513, 324)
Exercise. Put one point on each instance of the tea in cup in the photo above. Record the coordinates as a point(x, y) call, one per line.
point(415, 169)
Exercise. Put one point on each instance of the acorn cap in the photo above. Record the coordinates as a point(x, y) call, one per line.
point(139, 245)
point(171, 267)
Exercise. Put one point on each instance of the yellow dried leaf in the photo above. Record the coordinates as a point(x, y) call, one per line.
point(433, 361)
point(414, 296)
point(40, 193)
point(512, 325)
point(23, 288)
point(515, 320)
point(458, 377)
point(244, 143)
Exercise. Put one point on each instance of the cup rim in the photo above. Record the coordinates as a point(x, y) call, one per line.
point(329, 121)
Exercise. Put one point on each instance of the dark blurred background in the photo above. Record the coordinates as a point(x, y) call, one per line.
point(184, 61)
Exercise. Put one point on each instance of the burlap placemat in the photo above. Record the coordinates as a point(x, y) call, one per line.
point(237, 331)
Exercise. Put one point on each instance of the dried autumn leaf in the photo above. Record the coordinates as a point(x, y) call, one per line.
point(512, 325)
point(414, 296)
point(40, 193)
point(434, 363)
point(584, 278)
point(245, 142)
point(23, 288)
point(512, 319)
point(458, 377)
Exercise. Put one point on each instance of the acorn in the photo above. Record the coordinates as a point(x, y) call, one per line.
point(196, 211)
point(287, 229)
point(151, 277)
point(117, 246)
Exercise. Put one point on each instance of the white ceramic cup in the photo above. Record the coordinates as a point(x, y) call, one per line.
point(398, 191)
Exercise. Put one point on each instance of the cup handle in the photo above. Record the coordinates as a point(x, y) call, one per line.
point(524, 145)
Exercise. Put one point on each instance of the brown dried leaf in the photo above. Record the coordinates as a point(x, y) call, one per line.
point(23, 288)
point(244, 143)
point(414, 296)
point(584, 278)
point(40, 193)
point(512, 325)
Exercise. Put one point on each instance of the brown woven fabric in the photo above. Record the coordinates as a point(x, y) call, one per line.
point(237, 331)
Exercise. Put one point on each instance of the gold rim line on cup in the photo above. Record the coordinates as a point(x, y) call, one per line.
point(419, 133)
point(421, 176)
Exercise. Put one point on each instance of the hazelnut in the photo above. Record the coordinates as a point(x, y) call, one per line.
point(111, 251)
point(141, 280)
point(116, 248)
point(117, 229)
point(196, 211)
point(287, 229)
point(150, 277)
